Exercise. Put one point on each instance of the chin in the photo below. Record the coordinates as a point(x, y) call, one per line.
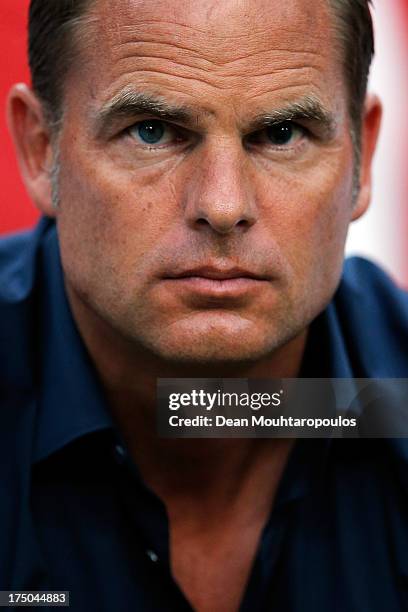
point(215, 345)
point(210, 356)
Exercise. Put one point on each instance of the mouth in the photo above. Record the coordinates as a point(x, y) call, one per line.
point(216, 283)
point(219, 274)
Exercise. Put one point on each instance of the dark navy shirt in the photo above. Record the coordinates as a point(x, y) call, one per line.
point(76, 516)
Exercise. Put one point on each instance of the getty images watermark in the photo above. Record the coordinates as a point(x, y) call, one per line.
point(312, 408)
point(253, 401)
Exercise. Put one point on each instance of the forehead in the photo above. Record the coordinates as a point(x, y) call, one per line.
point(210, 51)
point(230, 20)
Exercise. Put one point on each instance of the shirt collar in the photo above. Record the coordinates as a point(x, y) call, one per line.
point(71, 403)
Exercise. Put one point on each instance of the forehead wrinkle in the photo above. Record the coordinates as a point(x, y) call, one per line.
point(131, 25)
point(161, 58)
point(219, 53)
point(297, 70)
point(157, 51)
point(237, 16)
point(220, 84)
point(263, 33)
point(121, 36)
point(284, 92)
point(115, 24)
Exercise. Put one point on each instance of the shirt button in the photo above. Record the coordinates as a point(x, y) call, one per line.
point(152, 556)
point(119, 453)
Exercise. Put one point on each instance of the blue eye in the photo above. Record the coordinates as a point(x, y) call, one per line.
point(150, 132)
point(282, 134)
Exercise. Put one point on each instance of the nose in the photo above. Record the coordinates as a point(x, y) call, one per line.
point(220, 194)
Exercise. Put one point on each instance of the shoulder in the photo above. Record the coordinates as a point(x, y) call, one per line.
point(19, 262)
point(19, 272)
point(362, 279)
point(373, 314)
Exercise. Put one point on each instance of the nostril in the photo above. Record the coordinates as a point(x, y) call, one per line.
point(222, 225)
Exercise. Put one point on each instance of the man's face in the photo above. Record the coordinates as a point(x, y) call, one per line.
point(206, 173)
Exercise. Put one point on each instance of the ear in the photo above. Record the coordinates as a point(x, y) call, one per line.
point(369, 135)
point(32, 141)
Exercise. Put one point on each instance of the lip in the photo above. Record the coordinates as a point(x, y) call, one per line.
point(217, 284)
point(218, 274)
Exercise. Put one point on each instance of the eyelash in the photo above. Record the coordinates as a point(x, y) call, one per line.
point(250, 140)
point(177, 131)
point(303, 132)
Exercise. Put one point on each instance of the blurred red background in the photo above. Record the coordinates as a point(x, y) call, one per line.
point(16, 210)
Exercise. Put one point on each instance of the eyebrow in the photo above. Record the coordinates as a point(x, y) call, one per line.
point(307, 109)
point(130, 103)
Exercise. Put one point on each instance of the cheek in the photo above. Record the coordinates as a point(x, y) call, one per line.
point(109, 221)
point(309, 219)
